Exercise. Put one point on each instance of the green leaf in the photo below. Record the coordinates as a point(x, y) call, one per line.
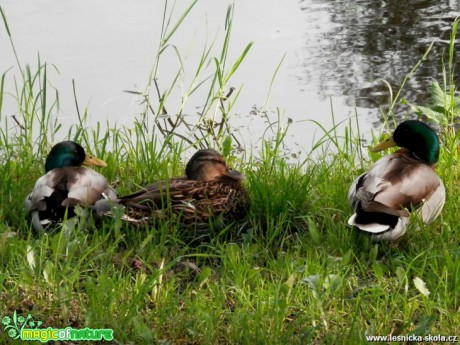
point(438, 96)
point(227, 146)
point(7, 28)
point(378, 271)
point(346, 258)
point(421, 286)
point(373, 252)
point(30, 257)
point(331, 282)
point(204, 275)
point(219, 73)
point(433, 115)
point(238, 61)
point(312, 281)
point(424, 325)
point(400, 273)
point(313, 231)
point(168, 35)
point(286, 287)
point(49, 272)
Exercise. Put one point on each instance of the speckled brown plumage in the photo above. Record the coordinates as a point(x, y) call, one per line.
point(210, 189)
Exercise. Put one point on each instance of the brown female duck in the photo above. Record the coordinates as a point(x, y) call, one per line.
point(210, 189)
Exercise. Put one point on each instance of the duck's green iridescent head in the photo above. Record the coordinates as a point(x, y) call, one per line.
point(415, 136)
point(70, 154)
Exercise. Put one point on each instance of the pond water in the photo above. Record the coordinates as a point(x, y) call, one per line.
point(335, 55)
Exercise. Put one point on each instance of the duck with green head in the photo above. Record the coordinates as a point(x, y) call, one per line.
point(398, 184)
point(65, 185)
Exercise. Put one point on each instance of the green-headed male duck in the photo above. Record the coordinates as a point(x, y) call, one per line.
point(65, 185)
point(398, 184)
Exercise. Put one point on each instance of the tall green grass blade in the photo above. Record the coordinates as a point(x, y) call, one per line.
point(178, 23)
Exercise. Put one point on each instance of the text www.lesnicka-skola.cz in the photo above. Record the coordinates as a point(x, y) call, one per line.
point(412, 337)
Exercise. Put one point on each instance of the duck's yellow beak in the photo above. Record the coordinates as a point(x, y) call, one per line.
point(389, 142)
point(91, 160)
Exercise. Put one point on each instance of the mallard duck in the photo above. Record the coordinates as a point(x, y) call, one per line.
point(65, 185)
point(398, 184)
point(209, 189)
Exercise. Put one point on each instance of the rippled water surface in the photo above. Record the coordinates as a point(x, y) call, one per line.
point(335, 54)
point(362, 42)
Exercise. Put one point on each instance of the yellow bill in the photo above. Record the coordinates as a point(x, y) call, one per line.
point(389, 142)
point(91, 160)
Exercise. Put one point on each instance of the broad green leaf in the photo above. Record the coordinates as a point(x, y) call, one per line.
point(438, 97)
point(30, 257)
point(400, 273)
point(227, 146)
point(373, 252)
point(313, 230)
point(421, 286)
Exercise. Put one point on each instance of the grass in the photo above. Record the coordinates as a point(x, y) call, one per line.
point(296, 273)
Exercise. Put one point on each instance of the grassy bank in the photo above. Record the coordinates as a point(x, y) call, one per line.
point(295, 273)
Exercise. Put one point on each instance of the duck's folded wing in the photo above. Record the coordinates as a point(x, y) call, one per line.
point(85, 187)
point(395, 183)
point(75, 186)
point(179, 193)
point(43, 188)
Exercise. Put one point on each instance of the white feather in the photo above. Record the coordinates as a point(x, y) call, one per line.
point(374, 228)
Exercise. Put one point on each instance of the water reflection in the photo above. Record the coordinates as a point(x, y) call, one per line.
point(335, 51)
point(360, 42)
